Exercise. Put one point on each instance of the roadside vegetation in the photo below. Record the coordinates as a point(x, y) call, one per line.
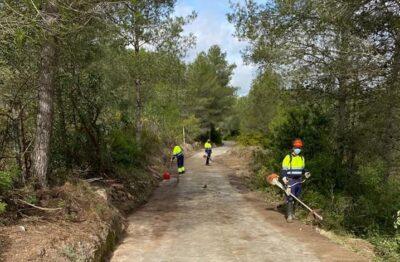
point(329, 73)
point(93, 89)
point(98, 90)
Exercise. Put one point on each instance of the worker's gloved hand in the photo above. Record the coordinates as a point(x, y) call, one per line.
point(285, 180)
point(307, 175)
point(288, 190)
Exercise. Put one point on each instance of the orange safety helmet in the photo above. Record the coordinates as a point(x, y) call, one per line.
point(298, 143)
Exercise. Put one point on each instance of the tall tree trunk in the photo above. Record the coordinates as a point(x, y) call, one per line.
point(342, 98)
point(342, 115)
point(390, 134)
point(138, 94)
point(63, 127)
point(138, 112)
point(20, 138)
point(44, 122)
point(24, 159)
point(45, 113)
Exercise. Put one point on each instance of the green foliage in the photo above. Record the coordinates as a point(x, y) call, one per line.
point(123, 148)
point(6, 180)
point(258, 180)
point(211, 96)
point(251, 139)
point(333, 207)
point(262, 103)
point(363, 202)
point(307, 122)
point(216, 136)
point(94, 78)
point(213, 134)
point(192, 126)
point(259, 168)
point(375, 201)
point(31, 198)
point(387, 247)
point(3, 207)
point(396, 223)
point(340, 93)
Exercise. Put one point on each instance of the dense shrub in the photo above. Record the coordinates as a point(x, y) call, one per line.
point(6, 183)
point(387, 247)
point(2, 207)
point(362, 198)
point(375, 200)
point(6, 180)
point(124, 150)
point(251, 139)
point(213, 134)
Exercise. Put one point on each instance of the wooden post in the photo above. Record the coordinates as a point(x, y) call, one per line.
point(184, 136)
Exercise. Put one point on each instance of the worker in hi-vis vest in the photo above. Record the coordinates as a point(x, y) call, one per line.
point(180, 159)
point(208, 151)
point(293, 170)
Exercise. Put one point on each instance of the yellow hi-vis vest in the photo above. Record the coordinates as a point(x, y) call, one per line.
point(177, 151)
point(293, 166)
point(207, 145)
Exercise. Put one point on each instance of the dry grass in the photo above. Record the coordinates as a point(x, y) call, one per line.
point(71, 234)
point(357, 245)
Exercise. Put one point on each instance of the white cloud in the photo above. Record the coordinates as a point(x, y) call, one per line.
point(212, 28)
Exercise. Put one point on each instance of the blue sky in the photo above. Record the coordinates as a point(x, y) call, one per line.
point(211, 27)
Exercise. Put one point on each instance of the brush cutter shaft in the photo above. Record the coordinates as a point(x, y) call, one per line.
point(279, 184)
point(295, 184)
point(307, 207)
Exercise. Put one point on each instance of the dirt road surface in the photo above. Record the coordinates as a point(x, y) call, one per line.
point(220, 222)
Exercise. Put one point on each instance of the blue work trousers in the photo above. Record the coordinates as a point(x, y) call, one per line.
point(180, 159)
point(208, 155)
point(295, 186)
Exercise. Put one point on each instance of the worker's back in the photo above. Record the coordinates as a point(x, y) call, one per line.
point(177, 151)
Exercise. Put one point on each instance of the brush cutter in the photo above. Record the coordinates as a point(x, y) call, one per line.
point(301, 182)
point(273, 179)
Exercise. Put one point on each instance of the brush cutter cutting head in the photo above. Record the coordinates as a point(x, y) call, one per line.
point(272, 179)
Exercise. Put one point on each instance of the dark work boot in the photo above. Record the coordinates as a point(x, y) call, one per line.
point(289, 212)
